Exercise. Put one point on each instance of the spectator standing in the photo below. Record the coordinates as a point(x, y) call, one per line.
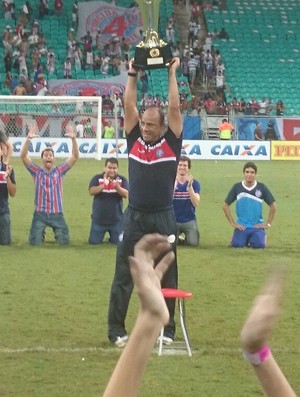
point(6, 5)
point(170, 34)
point(192, 65)
point(242, 106)
point(40, 86)
point(225, 130)
point(11, 128)
point(27, 11)
point(144, 79)
point(79, 128)
point(8, 62)
point(105, 65)
point(279, 108)
point(186, 198)
point(164, 105)
point(51, 63)
point(109, 189)
point(67, 69)
point(88, 129)
point(75, 14)
point(22, 63)
point(258, 135)
point(270, 106)
point(120, 105)
point(220, 82)
point(48, 181)
point(20, 89)
point(209, 104)
point(153, 152)
point(270, 133)
point(87, 42)
point(78, 57)
point(223, 34)
point(23, 76)
point(262, 106)
point(7, 188)
point(157, 100)
point(71, 36)
point(250, 228)
point(14, 82)
point(99, 40)
point(89, 60)
point(58, 7)
point(109, 131)
point(43, 9)
point(8, 38)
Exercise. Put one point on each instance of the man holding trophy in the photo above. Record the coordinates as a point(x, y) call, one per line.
point(154, 149)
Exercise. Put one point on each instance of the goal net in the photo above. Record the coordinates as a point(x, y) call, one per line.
point(51, 115)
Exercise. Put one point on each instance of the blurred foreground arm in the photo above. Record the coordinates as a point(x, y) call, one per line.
point(254, 336)
point(153, 314)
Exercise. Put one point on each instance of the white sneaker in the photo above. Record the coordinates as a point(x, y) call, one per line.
point(166, 340)
point(121, 341)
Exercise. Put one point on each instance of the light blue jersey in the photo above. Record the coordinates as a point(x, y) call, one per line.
point(249, 202)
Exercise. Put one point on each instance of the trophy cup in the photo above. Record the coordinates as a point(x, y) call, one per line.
point(152, 52)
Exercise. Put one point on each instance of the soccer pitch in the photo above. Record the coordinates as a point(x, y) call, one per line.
point(54, 299)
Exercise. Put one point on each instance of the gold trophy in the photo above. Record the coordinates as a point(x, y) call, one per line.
point(152, 52)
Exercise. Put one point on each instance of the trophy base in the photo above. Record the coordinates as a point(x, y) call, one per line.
point(152, 58)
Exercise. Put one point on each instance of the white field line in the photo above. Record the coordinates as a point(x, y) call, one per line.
point(167, 350)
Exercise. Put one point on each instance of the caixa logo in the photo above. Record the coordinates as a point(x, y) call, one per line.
point(112, 148)
point(209, 150)
point(239, 150)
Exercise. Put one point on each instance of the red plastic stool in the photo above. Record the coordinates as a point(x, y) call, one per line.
point(180, 295)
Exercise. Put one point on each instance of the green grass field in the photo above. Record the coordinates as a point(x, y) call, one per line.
point(53, 300)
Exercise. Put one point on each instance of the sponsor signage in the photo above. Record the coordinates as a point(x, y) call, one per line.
point(197, 150)
point(285, 150)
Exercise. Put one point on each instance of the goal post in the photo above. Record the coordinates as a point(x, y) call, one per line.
point(51, 115)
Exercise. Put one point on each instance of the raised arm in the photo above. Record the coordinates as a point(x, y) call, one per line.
point(9, 147)
point(255, 334)
point(174, 113)
point(131, 114)
point(9, 151)
point(24, 151)
point(153, 314)
point(75, 151)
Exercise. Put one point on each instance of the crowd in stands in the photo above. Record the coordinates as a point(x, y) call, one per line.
point(29, 61)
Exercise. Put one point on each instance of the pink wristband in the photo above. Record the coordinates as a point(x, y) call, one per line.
point(259, 356)
point(264, 353)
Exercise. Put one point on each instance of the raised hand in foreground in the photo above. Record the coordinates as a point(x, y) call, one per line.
point(152, 258)
point(255, 333)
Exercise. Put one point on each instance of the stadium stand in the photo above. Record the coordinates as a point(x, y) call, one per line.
point(55, 28)
point(261, 55)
